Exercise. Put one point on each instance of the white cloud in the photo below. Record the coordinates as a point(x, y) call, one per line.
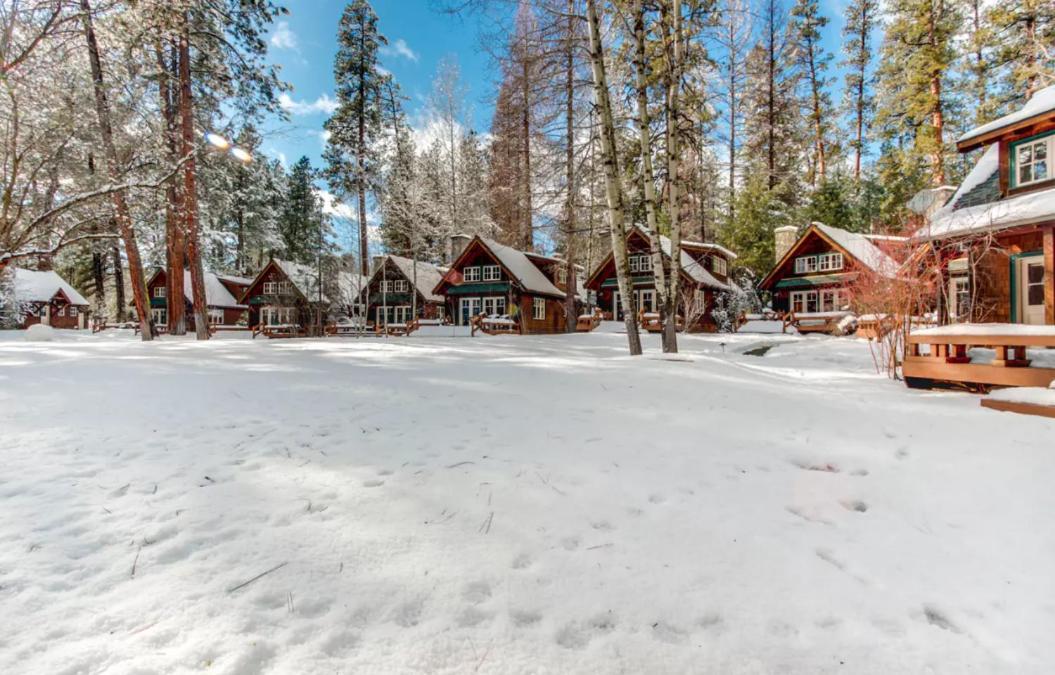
point(284, 37)
point(323, 104)
point(334, 207)
point(401, 49)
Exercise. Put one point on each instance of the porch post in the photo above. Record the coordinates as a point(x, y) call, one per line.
point(1049, 275)
point(46, 320)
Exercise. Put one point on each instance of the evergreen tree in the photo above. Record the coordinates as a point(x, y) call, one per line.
point(813, 63)
point(354, 129)
point(304, 229)
point(1023, 34)
point(861, 19)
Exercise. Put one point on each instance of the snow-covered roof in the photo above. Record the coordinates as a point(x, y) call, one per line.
point(350, 285)
point(1042, 102)
point(523, 270)
point(712, 246)
point(305, 278)
point(216, 294)
point(693, 267)
point(428, 275)
point(960, 216)
point(242, 281)
point(33, 286)
point(861, 248)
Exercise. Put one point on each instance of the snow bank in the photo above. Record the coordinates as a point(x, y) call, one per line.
point(983, 329)
point(1031, 395)
point(38, 332)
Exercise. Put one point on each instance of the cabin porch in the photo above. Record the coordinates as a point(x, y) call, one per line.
point(981, 356)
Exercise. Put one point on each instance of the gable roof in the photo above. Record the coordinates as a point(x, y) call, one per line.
point(694, 268)
point(1040, 103)
point(520, 268)
point(978, 205)
point(859, 247)
point(34, 286)
point(216, 294)
point(429, 275)
point(305, 278)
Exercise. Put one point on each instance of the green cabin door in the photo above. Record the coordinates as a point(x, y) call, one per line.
point(1029, 280)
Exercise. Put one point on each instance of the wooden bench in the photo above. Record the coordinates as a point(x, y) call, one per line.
point(948, 360)
point(875, 326)
point(829, 323)
point(277, 331)
point(651, 322)
point(493, 325)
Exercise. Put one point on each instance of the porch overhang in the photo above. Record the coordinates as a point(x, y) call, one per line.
point(634, 281)
point(815, 281)
point(474, 288)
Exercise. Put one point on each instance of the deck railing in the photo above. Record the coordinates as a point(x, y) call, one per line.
point(948, 357)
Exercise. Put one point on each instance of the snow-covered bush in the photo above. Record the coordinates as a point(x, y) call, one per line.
point(38, 332)
point(8, 310)
point(731, 305)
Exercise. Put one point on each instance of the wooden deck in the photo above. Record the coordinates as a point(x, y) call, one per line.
point(651, 322)
point(1020, 408)
point(815, 322)
point(948, 360)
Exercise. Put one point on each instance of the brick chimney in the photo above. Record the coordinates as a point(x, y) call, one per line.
point(784, 238)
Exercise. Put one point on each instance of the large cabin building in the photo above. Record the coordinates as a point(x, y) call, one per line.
point(500, 281)
point(389, 293)
point(288, 295)
point(222, 293)
point(815, 271)
point(47, 298)
point(705, 272)
point(994, 240)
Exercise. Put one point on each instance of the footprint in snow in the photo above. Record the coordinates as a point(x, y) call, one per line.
point(477, 592)
point(384, 472)
point(522, 561)
point(522, 618)
point(373, 483)
point(854, 505)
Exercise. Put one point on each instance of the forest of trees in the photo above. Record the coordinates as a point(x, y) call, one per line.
point(715, 120)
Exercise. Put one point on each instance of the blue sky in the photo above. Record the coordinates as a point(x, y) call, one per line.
point(304, 44)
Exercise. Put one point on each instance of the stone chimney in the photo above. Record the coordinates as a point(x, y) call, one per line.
point(927, 201)
point(784, 238)
point(375, 263)
point(458, 244)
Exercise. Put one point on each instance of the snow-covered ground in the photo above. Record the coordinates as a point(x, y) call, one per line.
point(510, 505)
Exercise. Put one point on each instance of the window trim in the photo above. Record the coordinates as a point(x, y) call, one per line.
point(640, 262)
point(159, 291)
point(476, 273)
point(538, 303)
point(490, 273)
point(1013, 182)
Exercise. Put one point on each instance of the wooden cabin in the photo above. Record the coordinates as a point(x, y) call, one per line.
point(286, 297)
point(495, 280)
point(815, 272)
point(47, 298)
point(222, 293)
point(994, 240)
point(705, 272)
point(389, 293)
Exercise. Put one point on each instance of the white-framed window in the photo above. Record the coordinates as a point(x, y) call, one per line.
point(215, 317)
point(699, 302)
point(804, 302)
point(494, 306)
point(959, 298)
point(471, 274)
point(398, 286)
point(538, 308)
point(805, 264)
point(830, 262)
point(1033, 160)
point(562, 275)
point(492, 272)
point(276, 316)
point(719, 265)
point(62, 311)
point(278, 288)
point(159, 291)
point(160, 316)
point(641, 263)
point(73, 310)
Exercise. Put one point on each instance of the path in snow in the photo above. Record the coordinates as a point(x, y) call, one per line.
point(512, 504)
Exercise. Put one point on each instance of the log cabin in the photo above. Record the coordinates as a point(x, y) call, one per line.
point(389, 293)
point(286, 296)
point(47, 298)
point(222, 293)
point(705, 271)
point(994, 240)
point(492, 279)
point(815, 272)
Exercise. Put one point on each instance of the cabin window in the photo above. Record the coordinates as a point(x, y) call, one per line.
point(215, 317)
point(719, 265)
point(276, 316)
point(73, 310)
point(805, 264)
point(640, 263)
point(400, 286)
point(830, 262)
point(804, 302)
point(492, 272)
point(61, 312)
point(495, 306)
point(562, 275)
point(699, 302)
point(278, 288)
point(538, 307)
point(1032, 160)
point(159, 291)
point(471, 274)
point(959, 298)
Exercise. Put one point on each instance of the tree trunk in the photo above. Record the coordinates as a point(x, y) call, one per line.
point(121, 211)
point(119, 286)
point(644, 138)
point(859, 94)
point(360, 160)
point(175, 249)
point(612, 178)
point(527, 236)
point(818, 122)
point(190, 196)
point(670, 295)
point(570, 309)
